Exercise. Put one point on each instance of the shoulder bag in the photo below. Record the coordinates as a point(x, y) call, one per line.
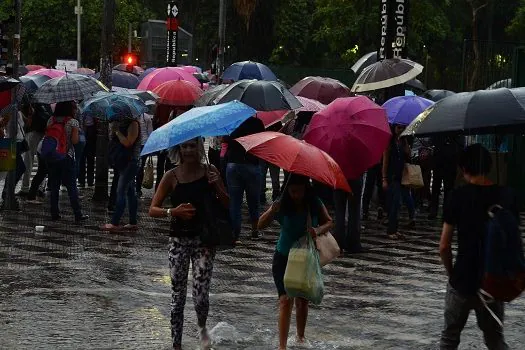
point(326, 244)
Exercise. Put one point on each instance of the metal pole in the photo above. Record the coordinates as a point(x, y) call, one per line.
point(129, 38)
point(10, 201)
point(222, 33)
point(79, 36)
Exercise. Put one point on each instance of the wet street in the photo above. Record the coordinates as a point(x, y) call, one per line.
point(75, 287)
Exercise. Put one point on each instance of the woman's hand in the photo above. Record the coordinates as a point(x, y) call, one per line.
point(213, 177)
point(313, 232)
point(184, 211)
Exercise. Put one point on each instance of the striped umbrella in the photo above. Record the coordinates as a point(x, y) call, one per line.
point(71, 87)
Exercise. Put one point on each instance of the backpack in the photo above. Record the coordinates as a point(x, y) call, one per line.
point(54, 143)
point(503, 276)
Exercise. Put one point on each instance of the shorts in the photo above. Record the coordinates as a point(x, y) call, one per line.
point(278, 269)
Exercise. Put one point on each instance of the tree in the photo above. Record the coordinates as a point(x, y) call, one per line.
point(475, 6)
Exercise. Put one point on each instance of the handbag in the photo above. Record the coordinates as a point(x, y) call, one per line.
point(147, 181)
point(326, 244)
point(22, 146)
point(412, 176)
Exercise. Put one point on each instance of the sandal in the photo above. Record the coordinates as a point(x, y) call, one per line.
point(110, 228)
point(130, 227)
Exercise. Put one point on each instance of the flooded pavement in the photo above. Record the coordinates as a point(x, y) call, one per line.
point(78, 288)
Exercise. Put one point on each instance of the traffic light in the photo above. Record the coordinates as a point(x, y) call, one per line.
point(131, 60)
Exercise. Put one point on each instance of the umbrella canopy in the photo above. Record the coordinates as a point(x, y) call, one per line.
point(309, 105)
point(146, 96)
point(436, 95)
point(146, 72)
point(32, 67)
point(201, 77)
point(112, 106)
point(248, 70)
point(270, 118)
point(260, 95)
point(479, 112)
point(354, 131)
point(386, 73)
point(295, 156)
point(22, 70)
point(84, 71)
point(7, 83)
point(363, 62)
point(124, 68)
point(162, 75)
point(403, 110)
point(416, 84)
point(210, 95)
point(206, 121)
point(501, 84)
point(122, 79)
point(52, 73)
point(178, 93)
point(191, 69)
point(324, 90)
point(34, 82)
point(71, 87)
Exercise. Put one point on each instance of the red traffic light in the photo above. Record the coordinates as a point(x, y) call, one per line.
point(130, 60)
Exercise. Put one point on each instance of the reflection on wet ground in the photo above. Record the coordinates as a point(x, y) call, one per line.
point(78, 288)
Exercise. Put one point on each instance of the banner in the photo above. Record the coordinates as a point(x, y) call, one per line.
point(393, 33)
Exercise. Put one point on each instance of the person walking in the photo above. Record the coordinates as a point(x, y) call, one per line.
point(87, 161)
point(146, 128)
point(348, 235)
point(373, 181)
point(125, 137)
point(394, 159)
point(275, 172)
point(188, 185)
point(467, 211)
point(298, 202)
point(38, 116)
point(20, 148)
point(62, 172)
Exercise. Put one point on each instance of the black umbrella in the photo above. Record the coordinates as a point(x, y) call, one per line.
point(261, 95)
point(386, 73)
point(416, 84)
point(209, 95)
point(474, 113)
point(34, 82)
point(501, 84)
point(436, 95)
point(7, 83)
point(363, 62)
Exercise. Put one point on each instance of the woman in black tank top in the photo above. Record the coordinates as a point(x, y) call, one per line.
point(188, 186)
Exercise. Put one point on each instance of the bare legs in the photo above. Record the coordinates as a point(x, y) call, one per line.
point(285, 315)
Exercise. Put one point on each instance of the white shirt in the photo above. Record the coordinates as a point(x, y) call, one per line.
point(146, 127)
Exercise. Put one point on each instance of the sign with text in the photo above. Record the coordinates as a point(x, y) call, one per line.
point(172, 24)
point(394, 23)
point(67, 65)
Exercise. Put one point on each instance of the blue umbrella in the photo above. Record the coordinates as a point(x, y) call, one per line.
point(206, 121)
point(146, 72)
point(248, 70)
point(111, 106)
point(403, 110)
point(122, 79)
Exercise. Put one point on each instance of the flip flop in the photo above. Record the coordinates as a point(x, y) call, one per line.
point(110, 228)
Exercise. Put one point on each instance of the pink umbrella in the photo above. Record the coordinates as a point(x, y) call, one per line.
point(51, 73)
point(269, 118)
point(32, 67)
point(309, 105)
point(352, 130)
point(191, 69)
point(162, 75)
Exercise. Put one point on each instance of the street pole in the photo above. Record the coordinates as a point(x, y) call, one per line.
point(129, 38)
point(10, 201)
point(79, 32)
point(222, 34)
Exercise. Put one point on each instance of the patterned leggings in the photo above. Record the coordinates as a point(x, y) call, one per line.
point(182, 250)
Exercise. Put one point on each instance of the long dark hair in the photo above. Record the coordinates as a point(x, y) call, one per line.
point(309, 200)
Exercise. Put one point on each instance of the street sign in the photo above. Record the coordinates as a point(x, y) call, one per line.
point(67, 65)
point(172, 23)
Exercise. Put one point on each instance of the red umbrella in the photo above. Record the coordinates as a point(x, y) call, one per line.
point(31, 67)
point(295, 156)
point(354, 131)
point(269, 118)
point(324, 90)
point(178, 93)
point(309, 105)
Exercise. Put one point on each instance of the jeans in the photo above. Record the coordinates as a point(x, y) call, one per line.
point(446, 175)
point(140, 173)
point(63, 172)
point(113, 190)
point(275, 171)
point(396, 192)
point(126, 188)
point(87, 161)
point(348, 236)
point(457, 310)
point(373, 180)
point(33, 138)
point(39, 177)
point(240, 178)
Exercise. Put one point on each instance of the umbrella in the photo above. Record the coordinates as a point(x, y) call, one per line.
point(409, 93)
point(191, 69)
point(84, 71)
point(71, 87)
point(52, 73)
point(209, 95)
point(178, 93)
point(354, 131)
point(146, 96)
point(269, 118)
point(309, 105)
point(201, 77)
point(124, 68)
point(110, 106)
point(248, 70)
point(22, 70)
point(416, 84)
point(363, 62)
point(7, 83)
point(146, 72)
point(206, 121)
point(122, 79)
point(480, 112)
point(161, 75)
point(260, 95)
point(500, 84)
point(295, 156)
point(402, 110)
point(32, 67)
point(34, 82)
point(324, 90)
point(436, 95)
point(386, 73)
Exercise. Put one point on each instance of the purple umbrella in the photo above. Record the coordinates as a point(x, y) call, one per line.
point(403, 110)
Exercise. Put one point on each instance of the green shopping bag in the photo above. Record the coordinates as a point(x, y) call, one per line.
point(303, 277)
